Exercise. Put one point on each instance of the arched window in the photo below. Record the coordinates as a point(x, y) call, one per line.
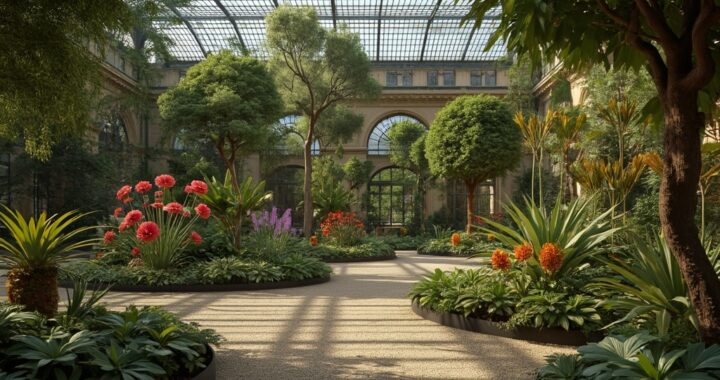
point(113, 134)
point(286, 184)
point(457, 200)
point(378, 143)
point(294, 139)
point(391, 193)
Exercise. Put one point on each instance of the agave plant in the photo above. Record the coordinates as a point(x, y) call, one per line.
point(570, 228)
point(33, 253)
point(231, 205)
point(649, 285)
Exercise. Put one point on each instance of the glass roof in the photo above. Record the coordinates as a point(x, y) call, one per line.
point(390, 30)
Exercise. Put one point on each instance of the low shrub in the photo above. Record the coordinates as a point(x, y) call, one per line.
point(89, 342)
point(467, 245)
point(367, 248)
point(403, 243)
point(343, 228)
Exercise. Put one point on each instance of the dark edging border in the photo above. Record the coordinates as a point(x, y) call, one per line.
point(210, 371)
point(549, 335)
point(202, 287)
point(358, 259)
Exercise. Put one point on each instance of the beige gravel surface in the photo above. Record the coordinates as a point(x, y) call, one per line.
point(357, 326)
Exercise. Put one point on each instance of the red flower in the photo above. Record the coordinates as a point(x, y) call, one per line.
point(133, 217)
point(186, 214)
point(550, 257)
point(118, 211)
point(196, 238)
point(523, 252)
point(127, 200)
point(188, 189)
point(173, 208)
point(123, 226)
point(165, 181)
point(455, 239)
point(135, 252)
point(199, 187)
point(203, 210)
point(148, 231)
point(143, 187)
point(109, 237)
point(500, 260)
point(123, 192)
point(157, 205)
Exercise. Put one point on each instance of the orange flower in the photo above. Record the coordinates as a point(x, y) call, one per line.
point(455, 239)
point(550, 257)
point(523, 252)
point(313, 240)
point(500, 260)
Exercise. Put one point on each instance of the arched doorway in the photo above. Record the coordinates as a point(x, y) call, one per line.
point(391, 197)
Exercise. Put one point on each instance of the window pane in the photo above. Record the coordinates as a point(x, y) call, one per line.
point(476, 79)
point(432, 78)
point(449, 78)
point(391, 79)
point(407, 79)
point(490, 78)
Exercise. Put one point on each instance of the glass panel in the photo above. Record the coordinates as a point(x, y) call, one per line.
point(391, 194)
point(432, 78)
point(457, 201)
point(475, 78)
point(407, 79)
point(286, 185)
point(378, 143)
point(294, 140)
point(391, 79)
point(449, 78)
point(491, 78)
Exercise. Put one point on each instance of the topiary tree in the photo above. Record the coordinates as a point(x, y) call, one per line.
point(229, 100)
point(315, 70)
point(407, 150)
point(473, 139)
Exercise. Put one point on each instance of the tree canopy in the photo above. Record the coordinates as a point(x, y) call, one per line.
point(316, 70)
point(473, 139)
point(50, 66)
point(229, 100)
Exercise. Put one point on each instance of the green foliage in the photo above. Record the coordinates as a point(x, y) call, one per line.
point(572, 228)
point(648, 285)
point(640, 356)
point(43, 242)
point(470, 244)
point(403, 243)
point(229, 100)
point(235, 270)
point(230, 204)
point(549, 309)
point(407, 146)
point(520, 86)
point(55, 77)
point(366, 249)
point(335, 126)
point(330, 198)
point(357, 172)
point(472, 139)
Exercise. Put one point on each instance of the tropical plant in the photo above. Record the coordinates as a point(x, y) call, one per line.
point(55, 356)
point(641, 356)
point(569, 229)
point(550, 309)
point(567, 130)
point(33, 252)
point(332, 197)
point(230, 204)
point(343, 228)
point(473, 139)
point(493, 300)
point(649, 285)
point(157, 232)
point(535, 132)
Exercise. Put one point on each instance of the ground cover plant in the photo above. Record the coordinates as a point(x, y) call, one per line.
point(88, 341)
point(460, 244)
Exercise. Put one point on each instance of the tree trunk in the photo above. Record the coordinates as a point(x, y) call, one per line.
point(470, 186)
point(678, 203)
point(36, 289)
point(307, 187)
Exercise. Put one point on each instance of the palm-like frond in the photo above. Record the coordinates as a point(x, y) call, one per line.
point(41, 242)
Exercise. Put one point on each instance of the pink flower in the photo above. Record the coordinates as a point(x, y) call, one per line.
point(148, 231)
point(127, 200)
point(199, 187)
point(132, 217)
point(109, 237)
point(157, 205)
point(188, 189)
point(203, 210)
point(143, 187)
point(135, 252)
point(165, 181)
point(118, 211)
point(186, 214)
point(196, 238)
point(173, 208)
point(123, 192)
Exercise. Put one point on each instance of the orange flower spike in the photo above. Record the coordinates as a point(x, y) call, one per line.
point(523, 252)
point(500, 260)
point(551, 257)
point(455, 239)
point(313, 240)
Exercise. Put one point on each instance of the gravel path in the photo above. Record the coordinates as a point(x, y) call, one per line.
point(357, 326)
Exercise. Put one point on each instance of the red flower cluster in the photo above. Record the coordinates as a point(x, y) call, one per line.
point(196, 238)
point(455, 239)
point(165, 181)
point(148, 231)
point(174, 208)
point(550, 257)
point(109, 237)
point(135, 252)
point(123, 193)
point(340, 218)
point(143, 187)
point(500, 260)
point(118, 211)
point(202, 210)
point(523, 252)
point(197, 187)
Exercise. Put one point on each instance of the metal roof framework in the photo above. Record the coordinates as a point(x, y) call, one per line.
point(390, 30)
